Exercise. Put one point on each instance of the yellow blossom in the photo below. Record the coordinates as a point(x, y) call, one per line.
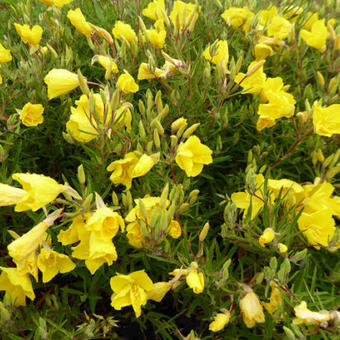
point(59, 82)
point(154, 10)
point(220, 321)
point(317, 36)
point(158, 291)
point(156, 38)
point(282, 248)
point(307, 317)
point(5, 55)
point(251, 309)
point(57, 3)
point(192, 155)
point(267, 236)
point(262, 51)
point(184, 15)
point(220, 55)
point(132, 166)
point(126, 83)
point(28, 35)
point(146, 72)
point(50, 263)
point(71, 235)
point(40, 191)
point(253, 83)
point(195, 279)
point(106, 61)
point(17, 285)
point(10, 195)
point(326, 120)
point(32, 114)
point(275, 300)
point(236, 17)
point(121, 29)
point(23, 247)
point(131, 290)
point(79, 22)
point(122, 117)
point(279, 27)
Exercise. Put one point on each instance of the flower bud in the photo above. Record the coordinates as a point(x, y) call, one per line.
point(204, 232)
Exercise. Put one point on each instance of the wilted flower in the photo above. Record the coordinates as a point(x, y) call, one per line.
point(275, 299)
point(17, 284)
point(79, 22)
point(59, 82)
point(28, 35)
point(106, 61)
point(32, 114)
point(307, 317)
point(192, 155)
point(251, 309)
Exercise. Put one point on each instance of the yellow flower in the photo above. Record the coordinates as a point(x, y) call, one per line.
point(220, 321)
point(251, 309)
point(174, 229)
point(131, 290)
point(126, 83)
point(40, 191)
point(132, 166)
point(262, 51)
point(106, 61)
point(244, 199)
point(311, 19)
point(178, 123)
point(58, 3)
point(317, 227)
point(184, 15)
point(23, 247)
point(282, 248)
point(71, 235)
point(326, 120)
point(105, 223)
point(285, 186)
point(220, 55)
point(307, 317)
point(51, 263)
point(195, 279)
point(158, 291)
point(28, 35)
point(154, 10)
point(59, 82)
point(236, 17)
point(32, 114)
point(192, 155)
point(145, 72)
point(79, 22)
point(156, 38)
point(253, 83)
point(279, 27)
point(17, 285)
point(10, 195)
point(5, 55)
point(122, 117)
point(275, 299)
point(125, 31)
point(317, 36)
point(267, 236)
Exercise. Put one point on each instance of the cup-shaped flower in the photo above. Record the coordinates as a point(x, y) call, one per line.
point(279, 27)
point(10, 195)
point(192, 155)
point(262, 51)
point(326, 120)
point(40, 191)
point(23, 247)
point(57, 3)
point(132, 166)
point(267, 236)
point(79, 22)
point(307, 317)
point(32, 114)
point(17, 284)
point(195, 280)
point(236, 17)
point(146, 72)
point(5, 55)
point(50, 263)
point(220, 55)
point(251, 309)
point(59, 82)
point(184, 15)
point(156, 38)
point(29, 35)
point(127, 84)
point(131, 290)
point(71, 235)
point(220, 321)
point(154, 10)
point(123, 31)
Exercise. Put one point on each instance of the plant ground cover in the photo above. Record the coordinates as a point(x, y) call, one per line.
point(169, 169)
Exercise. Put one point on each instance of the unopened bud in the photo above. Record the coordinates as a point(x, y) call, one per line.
point(256, 67)
point(190, 130)
point(321, 79)
point(174, 140)
point(115, 200)
point(83, 83)
point(204, 232)
point(184, 207)
point(336, 45)
point(141, 130)
point(333, 84)
point(156, 139)
point(81, 174)
point(178, 123)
